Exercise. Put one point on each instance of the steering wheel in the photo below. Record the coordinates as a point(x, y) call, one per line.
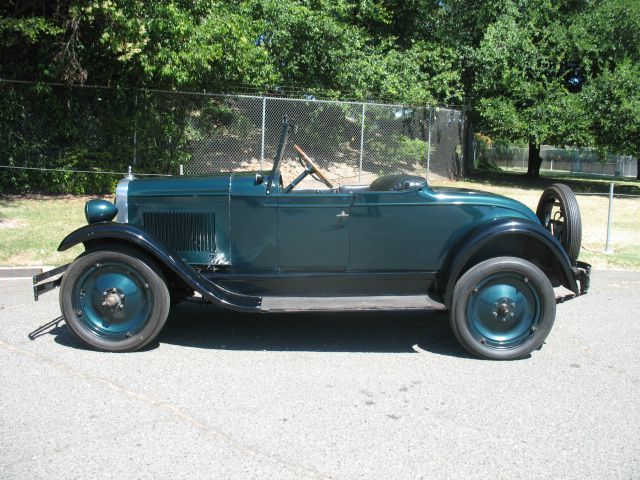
point(315, 172)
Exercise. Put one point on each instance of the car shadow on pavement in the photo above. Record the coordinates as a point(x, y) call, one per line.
point(63, 336)
point(197, 325)
point(201, 326)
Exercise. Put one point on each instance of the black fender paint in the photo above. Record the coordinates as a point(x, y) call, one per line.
point(505, 227)
point(170, 259)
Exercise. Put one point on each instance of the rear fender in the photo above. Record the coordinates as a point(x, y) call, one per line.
point(123, 233)
point(497, 238)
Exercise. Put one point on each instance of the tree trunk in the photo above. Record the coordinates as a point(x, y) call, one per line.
point(638, 168)
point(535, 160)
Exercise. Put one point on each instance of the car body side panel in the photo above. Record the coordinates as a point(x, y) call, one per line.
point(253, 220)
point(179, 186)
point(399, 231)
point(310, 284)
point(313, 232)
point(189, 214)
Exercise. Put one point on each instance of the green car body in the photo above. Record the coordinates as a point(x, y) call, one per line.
point(236, 238)
point(322, 242)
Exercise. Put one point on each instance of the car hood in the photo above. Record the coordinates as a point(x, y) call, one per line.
point(178, 186)
point(466, 196)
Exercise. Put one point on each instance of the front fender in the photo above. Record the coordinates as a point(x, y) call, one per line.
point(498, 230)
point(140, 238)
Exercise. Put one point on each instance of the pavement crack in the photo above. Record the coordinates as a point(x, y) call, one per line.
point(173, 410)
point(602, 363)
point(11, 307)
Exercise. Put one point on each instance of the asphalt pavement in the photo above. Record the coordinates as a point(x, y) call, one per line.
point(351, 395)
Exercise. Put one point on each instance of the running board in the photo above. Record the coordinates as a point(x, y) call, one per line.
point(340, 304)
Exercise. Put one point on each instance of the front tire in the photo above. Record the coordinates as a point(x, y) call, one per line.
point(114, 299)
point(502, 308)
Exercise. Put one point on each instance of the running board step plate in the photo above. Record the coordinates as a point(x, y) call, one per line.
point(339, 304)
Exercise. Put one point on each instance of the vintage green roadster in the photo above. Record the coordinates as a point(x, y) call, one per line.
point(244, 240)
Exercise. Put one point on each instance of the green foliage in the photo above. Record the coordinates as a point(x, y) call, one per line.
point(607, 35)
point(398, 149)
point(533, 69)
point(422, 74)
point(19, 32)
point(54, 128)
point(614, 98)
point(327, 128)
point(527, 71)
point(487, 164)
point(484, 161)
point(343, 48)
point(217, 119)
point(519, 90)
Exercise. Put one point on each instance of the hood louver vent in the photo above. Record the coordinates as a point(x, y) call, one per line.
point(182, 231)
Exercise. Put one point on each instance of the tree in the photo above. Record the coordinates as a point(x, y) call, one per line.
point(129, 43)
point(526, 70)
point(614, 99)
point(344, 48)
point(520, 90)
point(609, 47)
point(532, 69)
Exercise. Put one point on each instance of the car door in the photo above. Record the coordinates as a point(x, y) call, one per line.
point(313, 231)
point(390, 231)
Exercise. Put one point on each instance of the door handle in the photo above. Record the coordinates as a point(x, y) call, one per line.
point(342, 214)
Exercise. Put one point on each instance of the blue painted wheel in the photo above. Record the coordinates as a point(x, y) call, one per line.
point(114, 300)
point(502, 308)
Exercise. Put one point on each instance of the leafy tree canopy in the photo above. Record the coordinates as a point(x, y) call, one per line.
point(614, 99)
point(342, 48)
point(535, 71)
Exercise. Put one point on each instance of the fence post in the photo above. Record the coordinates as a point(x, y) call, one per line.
point(426, 175)
point(607, 248)
point(361, 142)
point(181, 169)
point(264, 117)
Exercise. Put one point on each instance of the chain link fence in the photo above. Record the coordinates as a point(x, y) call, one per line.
point(352, 142)
point(567, 160)
point(54, 137)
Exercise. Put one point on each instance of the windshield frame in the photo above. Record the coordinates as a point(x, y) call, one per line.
point(274, 178)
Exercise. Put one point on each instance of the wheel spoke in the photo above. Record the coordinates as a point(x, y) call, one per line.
point(559, 203)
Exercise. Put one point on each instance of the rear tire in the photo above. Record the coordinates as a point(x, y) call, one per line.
point(559, 213)
point(502, 308)
point(114, 300)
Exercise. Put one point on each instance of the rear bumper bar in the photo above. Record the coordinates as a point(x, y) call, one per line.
point(42, 282)
point(582, 274)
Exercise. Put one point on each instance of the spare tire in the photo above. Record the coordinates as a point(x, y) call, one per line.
point(559, 213)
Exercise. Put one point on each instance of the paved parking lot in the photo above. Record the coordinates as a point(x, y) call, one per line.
point(358, 395)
